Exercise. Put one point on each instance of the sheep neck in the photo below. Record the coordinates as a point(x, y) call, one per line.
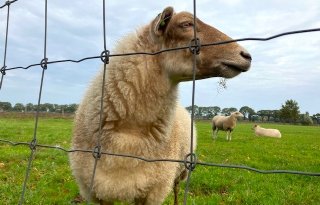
point(138, 91)
point(233, 118)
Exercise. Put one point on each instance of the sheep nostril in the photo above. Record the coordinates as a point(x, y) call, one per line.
point(246, 55)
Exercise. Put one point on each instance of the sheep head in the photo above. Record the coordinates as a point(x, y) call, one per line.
point(237, 114)
point(171, 30)
point(255, 126)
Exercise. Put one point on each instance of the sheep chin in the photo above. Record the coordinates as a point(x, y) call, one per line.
point(227, 71)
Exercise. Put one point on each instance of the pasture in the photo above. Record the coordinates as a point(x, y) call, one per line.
point(51, 181)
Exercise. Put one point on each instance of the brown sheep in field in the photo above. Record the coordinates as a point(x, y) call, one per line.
point(226, 123)
point(141, 115)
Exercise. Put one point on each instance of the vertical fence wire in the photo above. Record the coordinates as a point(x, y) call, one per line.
point(195, 52)
point(33, 143)
point(105, 59)
point(2, 70)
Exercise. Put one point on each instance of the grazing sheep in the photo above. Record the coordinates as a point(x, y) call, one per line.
point(226, 123)
point(260, 131)
point(141, 115)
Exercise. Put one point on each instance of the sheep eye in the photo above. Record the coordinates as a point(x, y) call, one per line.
point(186, 24)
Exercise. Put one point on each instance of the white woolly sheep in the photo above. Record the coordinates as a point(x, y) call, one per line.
point(260, 131)
point(226, 123)
point(141, 115)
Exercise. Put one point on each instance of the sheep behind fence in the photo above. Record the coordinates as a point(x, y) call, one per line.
point(190, 160)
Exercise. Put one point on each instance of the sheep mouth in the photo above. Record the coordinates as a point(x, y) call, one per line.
point(223, 69)
point(235, 67)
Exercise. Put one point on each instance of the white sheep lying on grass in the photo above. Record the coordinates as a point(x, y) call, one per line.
point(226, 123)
point(260, 131)
point(141, 115)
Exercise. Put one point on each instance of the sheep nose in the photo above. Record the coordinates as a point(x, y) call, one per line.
point(246, 55)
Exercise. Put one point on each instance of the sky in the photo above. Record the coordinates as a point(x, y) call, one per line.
point(282, 69)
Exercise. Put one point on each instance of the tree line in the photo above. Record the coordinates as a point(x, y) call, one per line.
point(288, 113)
point(46, 107)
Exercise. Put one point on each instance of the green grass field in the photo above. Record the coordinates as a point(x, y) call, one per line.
point(51, 181)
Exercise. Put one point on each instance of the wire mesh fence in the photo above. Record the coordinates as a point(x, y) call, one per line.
point(190, 161)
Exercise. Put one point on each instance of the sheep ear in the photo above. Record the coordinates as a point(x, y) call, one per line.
point(162, 21)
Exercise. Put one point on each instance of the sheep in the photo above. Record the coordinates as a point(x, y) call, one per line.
point(260, 131)
point(141, 115)
point(226, 123)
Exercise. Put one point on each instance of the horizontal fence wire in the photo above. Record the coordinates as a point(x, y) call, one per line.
point(7, 3)
point(316, 174)
point(190, 161)
point(103, 55)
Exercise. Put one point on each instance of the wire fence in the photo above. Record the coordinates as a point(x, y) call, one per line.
point(190, 161)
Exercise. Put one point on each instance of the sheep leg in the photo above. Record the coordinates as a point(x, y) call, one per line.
point(227, 137)
point(157, 195)
point(230, 135)
point(212, 134)
point(215, 134)
point(176, 190)
point(139, 201)
point(176, 187)
point(105, 203)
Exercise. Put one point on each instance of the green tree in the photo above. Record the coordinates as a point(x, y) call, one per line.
point(276, 115)
point(29, 107)
point(5, 106)
point(228, 111)
point(247, 112)
point(41, 108)
point(195, 109)
point(225, 111)
point(232, 109)
point(209, 112)
point(266, 114)
point(216, 110)
point(47, 107)
point(18, 107)
point(316, 118)
point(289, 112)
point(305, 119)
point(206, 113)
point(71, 108)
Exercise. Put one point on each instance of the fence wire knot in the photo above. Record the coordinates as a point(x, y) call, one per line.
point(195, 46)
point(44, 63)
point(97, 152)
point(190, 161)
point(105, 56)
point(3, 70)
point(33, 144)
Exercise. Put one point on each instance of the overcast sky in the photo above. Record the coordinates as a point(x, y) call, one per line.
point(282, 69)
